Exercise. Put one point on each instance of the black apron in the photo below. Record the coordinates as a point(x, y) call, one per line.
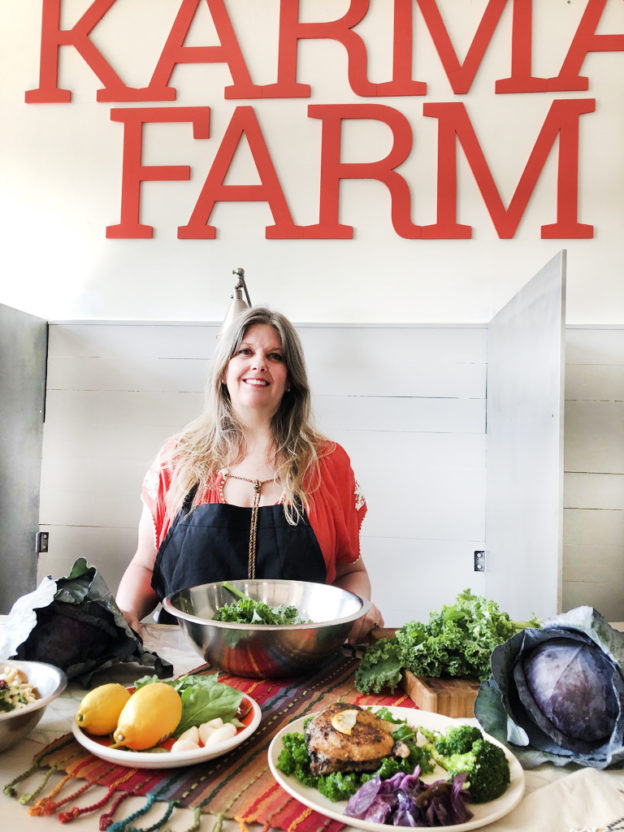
point(211, 543)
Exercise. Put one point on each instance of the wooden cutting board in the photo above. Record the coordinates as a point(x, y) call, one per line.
point(451, 697)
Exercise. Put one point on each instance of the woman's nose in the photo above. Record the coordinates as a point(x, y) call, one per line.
point(259, 362)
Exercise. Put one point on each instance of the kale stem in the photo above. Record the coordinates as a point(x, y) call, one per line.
point(227, 585)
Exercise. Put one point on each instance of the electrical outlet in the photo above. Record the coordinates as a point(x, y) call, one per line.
point(42, 540)
point(479, 561)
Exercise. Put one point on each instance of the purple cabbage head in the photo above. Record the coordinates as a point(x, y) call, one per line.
point(557, 693)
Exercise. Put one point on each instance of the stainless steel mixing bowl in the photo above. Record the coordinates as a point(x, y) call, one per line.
point(267, 650)
point(49, 681)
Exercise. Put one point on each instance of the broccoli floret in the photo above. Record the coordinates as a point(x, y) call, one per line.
point(487, 770)
point(485, 764)
point(457, 740)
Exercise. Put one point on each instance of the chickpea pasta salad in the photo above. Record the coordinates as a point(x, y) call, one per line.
point(15, 690)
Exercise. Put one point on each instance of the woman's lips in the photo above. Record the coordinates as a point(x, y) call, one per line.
point(256, 382)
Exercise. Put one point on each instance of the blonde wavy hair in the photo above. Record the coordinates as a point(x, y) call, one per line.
point(215, 439)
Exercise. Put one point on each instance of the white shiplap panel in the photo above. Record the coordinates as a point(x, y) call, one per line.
point(597, 594)
point(98, 446)
point(595, 345)
point(92, 505)
point(420, 485)
point(437, 380)
point(396, 361)
point(594, 437)
point(448, 506)
point(380, 346)
point(411, 578)
point(399, 413)
point(595, 382)
point(323, 344)
point(594, 528)
point(138, 373)
point(594, 491)
point(125, 341)
point(107, 548)
point(595, 563)
point(413, 452)
point(594, 463)
point(123, 410)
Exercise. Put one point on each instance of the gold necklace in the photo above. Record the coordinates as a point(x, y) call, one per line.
point(253, 529)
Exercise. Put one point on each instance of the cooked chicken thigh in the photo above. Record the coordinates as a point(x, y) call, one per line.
point(345, 737)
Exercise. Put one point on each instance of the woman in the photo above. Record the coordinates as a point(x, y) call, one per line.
point(249, 489)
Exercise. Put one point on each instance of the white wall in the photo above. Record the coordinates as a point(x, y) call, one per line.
point(61, 169)
point(593, 517)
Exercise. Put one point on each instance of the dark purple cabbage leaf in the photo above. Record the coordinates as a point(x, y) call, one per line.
point(406, 800)
point(75, 624)
point(557, 693)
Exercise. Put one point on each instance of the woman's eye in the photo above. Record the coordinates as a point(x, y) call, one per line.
point(244, 351)
point(276, 356)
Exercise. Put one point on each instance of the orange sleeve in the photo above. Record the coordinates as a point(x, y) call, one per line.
point(337, 510)
point(156, 484)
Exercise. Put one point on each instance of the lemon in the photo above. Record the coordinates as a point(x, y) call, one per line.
point(100, 708)
point(344, 721)
point(151, 714)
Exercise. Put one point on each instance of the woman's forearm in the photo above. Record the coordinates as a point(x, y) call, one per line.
point(356, 581)
point(135, 596)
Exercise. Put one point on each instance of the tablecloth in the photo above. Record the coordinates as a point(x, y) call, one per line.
point(236, 785)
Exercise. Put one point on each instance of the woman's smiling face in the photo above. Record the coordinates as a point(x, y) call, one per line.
point(256, 375)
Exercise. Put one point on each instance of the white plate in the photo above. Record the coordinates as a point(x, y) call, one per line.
point(483, 813)
point(168, 759)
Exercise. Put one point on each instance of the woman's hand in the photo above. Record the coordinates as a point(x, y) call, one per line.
point(354, 577)
point(373, 620)
point(133, 621)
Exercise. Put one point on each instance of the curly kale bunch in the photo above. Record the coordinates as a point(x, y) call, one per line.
point(457, 641)
point(249, 611)
point(257, 612)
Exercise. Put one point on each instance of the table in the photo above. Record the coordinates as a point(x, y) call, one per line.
point(170, 643)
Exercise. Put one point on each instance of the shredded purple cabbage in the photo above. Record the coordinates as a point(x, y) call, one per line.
point(406, 800)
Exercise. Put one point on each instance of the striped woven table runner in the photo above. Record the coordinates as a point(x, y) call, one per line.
point(237, 785)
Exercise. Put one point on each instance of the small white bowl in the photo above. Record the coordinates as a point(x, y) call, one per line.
point(50, 682)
